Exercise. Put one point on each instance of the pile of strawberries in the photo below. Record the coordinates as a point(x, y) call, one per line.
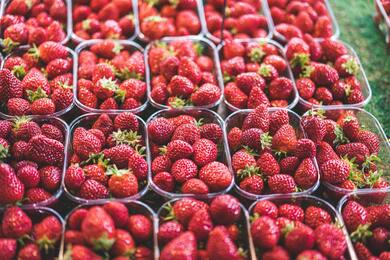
point(243, 19)
point(255, 73)
point(31, 160)
point(103, 19)
point(268, 157)
point(107, 158)
point(326, 73)
point(33, 234)
point(38, 81)
point(33, 22)
point(294, 18)
point(168, 18)
point(294, 231)
point(186, 157)
point(183, 73)
point(193, 229)
point(369, 228)
point(109, 231)
point(110, 76)
point(347, 153)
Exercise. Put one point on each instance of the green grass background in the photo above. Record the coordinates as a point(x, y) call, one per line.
point(357, 28)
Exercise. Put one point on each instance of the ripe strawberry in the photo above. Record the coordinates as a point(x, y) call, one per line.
point(234, 138)
point(370, 140)
point(181, 86)
point(333, 49)
point(85, 143)
point(362, 251)
point(29, 176)
point(8, 248)
point(292, 212)
point(194, 186)
point(299, 239)
point(183, 246)
point(118, 212)
point(124, 243)
point(201, 224)
point(256, 98)
point(324, 75)
point(305, 149)
point(252, 184)
point(335, 171)
point(10, 86)
point(235, 96)
point(46, 151)
point(280, 88)
point(310, 254)
point(353, 150)
point(98, 229)
point(13, 188)
point(189, 133)
point(330, 241)
point(35, 195)
point(265, 232)
point(178, 149)
point(47, 232)
point(15, 223)
point(242, 159)
point(354, 215)
point(306, 87)
point(281, 183)
point(161, 164)
point(18, 107)
point(183, 170)
point(212, 132)
point(314, 128)
point(266, 208)
point(139, 166)
point(306, 175)
point(277, 252)
point(76, 217)
point(249, 80)
point(164, 181)
point(79, 252)
point(30, 251)
point(259, 118)
point(74, 177)
point(122, 183)
point(285, 139)
point(52, 132)
point(91, 189)
point(316, 216)
point(216, 176)
point(168, 231)
point(207, 94)
point(267, 164)
point(43, 106)
point(140, 227)
point(205, 151)
point(225, 209)
point(325, 153)
point(160, 130)
point(183, 209)
point(220, 245)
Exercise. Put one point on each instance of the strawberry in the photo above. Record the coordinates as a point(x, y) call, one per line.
point(124, 243)
point(18, 107)
point(13, 188)
point(267, 164)
point(306, 175)
point(52, 132)
point(29, 176)
point(183, 209)
point(211, 131)
point(220, 245)
point(280, 88)
point(37, 83)
point(330, 240)
point(98, 228)
point(216, 176)
point(277, 252)
point(316, 216)
point(79, 252)
point(91, 189)
point(292, 212)
point(256, 98)
point(16, 229)
point(122, 183)
point(30, 251)
point(76, 217)
point(160, 164)
point(8, 248)
point(10, 86)
point(205, 151)
point(160, 130)
point(183, 246)
point(235, 96)
point(265, 232)
point(259, 118)
point(43, 106)
point(225, 209)
point(281, 183)
point(168, 231)
point(333, 49)
point(234, 138)
point(305, 149)
point(242, 159)
point(299, 239)
point(194, 186)
point(324, 75)
point(358, 151)
point(325, 153)
point(306, 88)
point(74, 177)
point(252, 184)
point(249, 80)
point(35, 195)
point(284, 139)
point(314, 128)
point(335, 171)
point(189, 133)
point(207, 94)
point(46, 151)
point(183, 170)
point(164, 181)
point(266, 208)
point(49, 51)
point(369, 139)
point(354, 215)
point(47, 232)
point(201, 224)
point(140, 227)
point(85, 143)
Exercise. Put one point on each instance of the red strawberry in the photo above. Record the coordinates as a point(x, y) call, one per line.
point(207, 94)
point(362, 251)
point(189, 133)
point(292, 212)
point(358, 151)
point(247, 81)
point(266, 208)
point(10, 85)
point(333, 49)
point(164, 181)
point(277, 252)
point(46, 151)
point(281, 183)
point(184, 209)
point(76, 217)
point(314, 128)
point(252, 184)
point(168, 231)
point(354, 215)
point(8, 247)
point(91, 189)
point(15, 223)
point(181, 86)
point(43, 106)
point(47, 233)
point(35, 195)
point(140, 227)
point(369, 139)
point(220, 245)
point(335, 171)
point(161, 164)
point(183, 170)
point(74, 177)
point(225, 209)
point(306, 175)
point(259, 118)
point(49, 51)
point(194, 186)
point(285, 139)
point(256, 98)
point(316, 216)
point(330, 241)
point(235, 96)
point(325, 153)
point(205, 151)
point(13, 188)
point(265, 232)
point(98, 228)
point(183, 246)
point(18, 107)
point(299, 239)
point(30, 251)
point(267, 164)
point(216, 176)
point(85, 143)
point(52, 132)
point(78, 252)
point(201, 224)
point(212, 132)
point(280, 88)
point(160, 130)
point(122, 183)
point(29, 176)
point(124, 243)
point(324, 75)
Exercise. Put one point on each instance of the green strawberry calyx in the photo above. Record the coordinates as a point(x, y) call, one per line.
point(340, 136)
point(361, 234)
point(351, 66)
point(4, 152)
point(264, 70)
point(256, 54)
point(265, 141)
point(248, 171)
point(103, 243)
point(113, 170)
point(170, 214)
point(199, 48)
point(128, 137)
point(178, 102)
point(300, 60)
point(37, 94)
point(19, 71)
point(19, 121)
point(9, 45)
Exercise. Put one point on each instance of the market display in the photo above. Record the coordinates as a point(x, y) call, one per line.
point(189, 130)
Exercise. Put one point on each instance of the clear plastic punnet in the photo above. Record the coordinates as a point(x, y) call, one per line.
point(382, 18)
point(306, 201)
point(236, 119)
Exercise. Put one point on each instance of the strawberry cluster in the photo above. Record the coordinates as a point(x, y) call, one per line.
point(168, 18)
point(38, 81)
point(268, 157)
point(33, 22)
point(386, 7)
point(103, 19)
point(188, 223)
point(294, 18)
point(31, 160)
point(185, 155)
point(111, 230)
point(293, 231)
point(32, 234)
point(243, 19)
point(183, 74)
point(110, 76)
point(326, 73)
point(255, 73)
point(368, 226)
point(347, 154)
point(107, 158)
